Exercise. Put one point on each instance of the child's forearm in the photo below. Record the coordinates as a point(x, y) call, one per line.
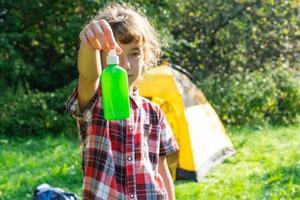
point(165, 173)
point(89, 63)
point(89, 68)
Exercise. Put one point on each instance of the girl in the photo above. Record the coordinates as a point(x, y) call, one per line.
point(124, 159)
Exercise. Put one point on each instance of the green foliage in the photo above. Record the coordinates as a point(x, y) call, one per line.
point(39, 41)
point(226, 45)
point(40, 38)
point(35, 112)
point(220, 37)
point(258, 97)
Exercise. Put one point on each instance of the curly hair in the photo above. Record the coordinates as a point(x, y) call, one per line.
point(130, 25)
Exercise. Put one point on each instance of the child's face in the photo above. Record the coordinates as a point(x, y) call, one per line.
point(131, 59)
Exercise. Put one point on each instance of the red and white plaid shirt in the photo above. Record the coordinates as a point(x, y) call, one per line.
point(120, 158)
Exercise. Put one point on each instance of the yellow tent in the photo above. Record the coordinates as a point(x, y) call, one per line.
point(202, 139)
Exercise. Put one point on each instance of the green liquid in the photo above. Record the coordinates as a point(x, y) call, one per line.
point(115, 93)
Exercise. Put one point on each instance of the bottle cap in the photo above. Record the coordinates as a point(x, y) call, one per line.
point(112, 58)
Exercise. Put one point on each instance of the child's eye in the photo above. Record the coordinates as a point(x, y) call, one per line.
point(136, 54)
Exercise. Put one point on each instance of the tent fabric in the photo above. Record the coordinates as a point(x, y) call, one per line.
point(202, 139)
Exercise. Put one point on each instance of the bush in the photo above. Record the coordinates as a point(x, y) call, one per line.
point(219, 36)
point(255, 98)
point(35, 112)
point(39, 41)
point(214, 40)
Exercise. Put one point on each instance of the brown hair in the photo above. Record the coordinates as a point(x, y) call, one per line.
point(130, 25)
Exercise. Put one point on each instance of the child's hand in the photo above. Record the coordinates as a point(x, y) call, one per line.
point(99, 35)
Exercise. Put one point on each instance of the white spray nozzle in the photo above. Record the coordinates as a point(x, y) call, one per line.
point(112, 58)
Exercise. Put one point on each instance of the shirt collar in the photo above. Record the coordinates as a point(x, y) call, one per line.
point(135, 96)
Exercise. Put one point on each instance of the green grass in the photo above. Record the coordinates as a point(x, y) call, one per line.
point(266, 166)
point(26, 162)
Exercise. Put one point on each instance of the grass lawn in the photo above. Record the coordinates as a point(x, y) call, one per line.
point(266, 166)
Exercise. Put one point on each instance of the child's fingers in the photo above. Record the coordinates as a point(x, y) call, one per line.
point(92, 39)
point(100, 35)
point(109, 35)
point(84, 40)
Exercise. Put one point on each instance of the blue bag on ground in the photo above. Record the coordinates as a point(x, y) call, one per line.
point(46, 192)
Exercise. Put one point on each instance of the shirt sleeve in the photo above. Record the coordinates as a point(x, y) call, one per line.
point(72, 106)
point(168, 143)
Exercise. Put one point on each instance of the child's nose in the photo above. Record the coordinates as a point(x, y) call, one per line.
point(124, 62)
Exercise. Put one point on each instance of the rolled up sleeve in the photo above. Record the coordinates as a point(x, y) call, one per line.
point(72, 106)
point(168, 143)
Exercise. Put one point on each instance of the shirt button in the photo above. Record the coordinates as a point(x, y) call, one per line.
point(129, 158)
point(130, 128)
point(131, 196)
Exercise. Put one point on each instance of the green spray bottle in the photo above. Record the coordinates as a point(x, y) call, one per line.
point(115, 91)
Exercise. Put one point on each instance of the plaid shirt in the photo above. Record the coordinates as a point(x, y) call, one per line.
point(120, 158)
